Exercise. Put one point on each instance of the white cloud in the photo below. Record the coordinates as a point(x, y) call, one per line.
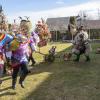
point(59, 2)
point(58, 12)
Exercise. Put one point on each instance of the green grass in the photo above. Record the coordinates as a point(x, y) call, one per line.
point(59, 80)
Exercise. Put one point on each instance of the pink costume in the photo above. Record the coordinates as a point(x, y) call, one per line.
point(21, 54)
point(34, 40)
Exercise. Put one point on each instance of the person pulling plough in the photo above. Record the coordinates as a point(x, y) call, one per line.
point(81, 45)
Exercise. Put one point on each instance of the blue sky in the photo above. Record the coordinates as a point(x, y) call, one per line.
point(35, 9)
point(11, 6)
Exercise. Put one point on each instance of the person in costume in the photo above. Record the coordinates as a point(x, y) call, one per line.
point(34, 40)
point(42, 30)
point(81, 44)
point(21, 54)
point(25, 28)
point(1, 65)
point(20, 61)
point(4, 39)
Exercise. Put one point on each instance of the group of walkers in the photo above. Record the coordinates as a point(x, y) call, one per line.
point(17, 49)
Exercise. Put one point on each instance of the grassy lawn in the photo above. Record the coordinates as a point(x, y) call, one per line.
point(61, 80)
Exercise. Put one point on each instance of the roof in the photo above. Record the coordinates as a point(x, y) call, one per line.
point(61, 24)
point(93, 24)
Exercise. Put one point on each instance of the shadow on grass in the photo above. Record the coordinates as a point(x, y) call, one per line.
point(44, 66)
point(4, 89)
point(7, 94)
point(68, 81)
point(6, 78)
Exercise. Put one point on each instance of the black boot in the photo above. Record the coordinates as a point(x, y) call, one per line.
point(0, 81)
point(13, 83)
point(87, 58)
point(5, 69)
point(21, 84)
point(21, 80)
point(33, 61)
point(77, 58)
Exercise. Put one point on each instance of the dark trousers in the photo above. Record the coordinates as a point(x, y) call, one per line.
point(24, 71)
point(31, 59)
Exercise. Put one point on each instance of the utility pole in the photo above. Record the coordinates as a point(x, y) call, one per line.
point(84, 18)
point(1, 8)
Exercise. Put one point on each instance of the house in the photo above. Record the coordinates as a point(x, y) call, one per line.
point(93, 27)
point(59, 28)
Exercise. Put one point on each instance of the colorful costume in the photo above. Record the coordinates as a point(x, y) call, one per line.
point(1, 65)
point(81, 45)
point(4, 39)
point(34, 39)
point(43, 32)
point(20, 61)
